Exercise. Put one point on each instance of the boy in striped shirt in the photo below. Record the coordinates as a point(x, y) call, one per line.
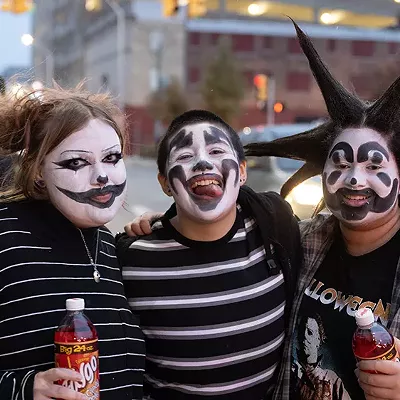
point(213, 281)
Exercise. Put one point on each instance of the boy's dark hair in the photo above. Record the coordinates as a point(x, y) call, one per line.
point(189, 118)
point(345, 109)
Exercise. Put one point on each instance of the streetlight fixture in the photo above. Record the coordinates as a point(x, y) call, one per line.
point(28, 40)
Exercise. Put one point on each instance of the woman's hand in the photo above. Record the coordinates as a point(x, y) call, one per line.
point(142, 225)
point(44, 387)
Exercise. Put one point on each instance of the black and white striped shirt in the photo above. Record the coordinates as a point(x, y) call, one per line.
point(211, 313)
point(43, 261)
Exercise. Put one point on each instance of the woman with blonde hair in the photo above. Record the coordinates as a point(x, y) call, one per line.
point(69, 180)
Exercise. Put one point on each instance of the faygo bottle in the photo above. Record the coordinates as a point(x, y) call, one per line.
point(372, 341)
point(76, 347)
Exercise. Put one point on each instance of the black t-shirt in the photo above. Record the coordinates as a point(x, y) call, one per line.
point(212, 312)
point(323, 363)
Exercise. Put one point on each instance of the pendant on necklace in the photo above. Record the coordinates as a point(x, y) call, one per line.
point(96, 276)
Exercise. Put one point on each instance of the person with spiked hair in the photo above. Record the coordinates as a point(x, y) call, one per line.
point(351, 256)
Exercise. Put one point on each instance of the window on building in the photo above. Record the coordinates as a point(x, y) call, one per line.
point(215, 38)
point(331, 45)
point(363, 48)
point(298, 81)
point(267, 42)
point(243, 43)
point(294, 46)
point(393, 48)
point(194, 75)
point(194, 38)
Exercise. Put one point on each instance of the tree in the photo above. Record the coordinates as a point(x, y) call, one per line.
point(169, 102)
point(223, 86)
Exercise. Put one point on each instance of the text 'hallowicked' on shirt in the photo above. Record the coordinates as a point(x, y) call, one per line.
point(211, 312)
point(323, 363)
point(43, 262)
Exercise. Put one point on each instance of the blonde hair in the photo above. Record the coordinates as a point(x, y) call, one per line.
point(34, 124)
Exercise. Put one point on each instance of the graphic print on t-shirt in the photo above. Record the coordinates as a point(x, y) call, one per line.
point(323, 363)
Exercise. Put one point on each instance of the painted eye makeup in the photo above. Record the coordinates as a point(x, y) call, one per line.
point(184, 157)
point(217, 151)
point(112, 158)
point(73, 164)
point(374, 167)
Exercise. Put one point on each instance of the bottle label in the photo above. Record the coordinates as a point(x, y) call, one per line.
point(390, 355)
point(83, 358)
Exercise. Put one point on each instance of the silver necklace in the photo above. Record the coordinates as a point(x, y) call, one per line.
point(96, 273)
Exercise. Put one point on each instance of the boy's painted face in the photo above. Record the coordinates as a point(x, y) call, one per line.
point(85, 175)
point(361, 178)
point(203, 171)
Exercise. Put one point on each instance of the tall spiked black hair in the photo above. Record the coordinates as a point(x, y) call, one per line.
point(345, 110)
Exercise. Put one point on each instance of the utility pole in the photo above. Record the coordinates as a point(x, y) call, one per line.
point(271, 100)
point(121, 39)
point(157, 47)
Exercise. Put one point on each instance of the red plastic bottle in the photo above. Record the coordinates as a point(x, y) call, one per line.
point(372, 341)
point(76, 347)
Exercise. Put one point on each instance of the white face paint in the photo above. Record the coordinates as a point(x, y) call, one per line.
point(85, 175)
point(360, 179)
point(203, 171)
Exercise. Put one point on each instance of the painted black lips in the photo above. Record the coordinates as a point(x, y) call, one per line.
point(89, 196)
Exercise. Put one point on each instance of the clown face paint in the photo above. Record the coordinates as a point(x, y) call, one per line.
point(203, 171)
point(85, 175)
point(360, 179)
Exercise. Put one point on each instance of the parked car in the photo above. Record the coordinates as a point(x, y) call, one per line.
point(270, 173)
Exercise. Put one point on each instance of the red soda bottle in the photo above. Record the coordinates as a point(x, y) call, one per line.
point(372, 341)
point(76, 347)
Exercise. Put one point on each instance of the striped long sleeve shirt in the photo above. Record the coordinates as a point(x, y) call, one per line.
point(211, 312)
point(43, 261)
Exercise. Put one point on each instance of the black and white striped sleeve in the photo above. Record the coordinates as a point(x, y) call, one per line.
point(17, 385)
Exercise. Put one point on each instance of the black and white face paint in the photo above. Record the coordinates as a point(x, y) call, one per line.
point(361, 178)
point(85, 175)
point(203, 171)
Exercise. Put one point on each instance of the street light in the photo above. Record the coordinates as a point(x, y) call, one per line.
point(28, 40)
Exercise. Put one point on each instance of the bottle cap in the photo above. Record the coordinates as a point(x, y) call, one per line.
point(364, 317)
point(75, 304)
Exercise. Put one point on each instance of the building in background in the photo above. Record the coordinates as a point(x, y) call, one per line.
point(353, 38)
point(18, 73)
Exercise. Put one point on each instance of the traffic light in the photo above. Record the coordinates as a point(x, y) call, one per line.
point(278, 107)
point(16, 6)
point(93, 5)
point(170, 7)
point(261, 83)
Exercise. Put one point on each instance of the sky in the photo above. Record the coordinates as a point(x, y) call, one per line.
point(12, 51)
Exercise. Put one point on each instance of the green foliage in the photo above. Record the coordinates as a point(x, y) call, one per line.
point(168, 102)
point(223, 86)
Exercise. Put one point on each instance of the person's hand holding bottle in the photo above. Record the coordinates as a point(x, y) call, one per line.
point(44, 387)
